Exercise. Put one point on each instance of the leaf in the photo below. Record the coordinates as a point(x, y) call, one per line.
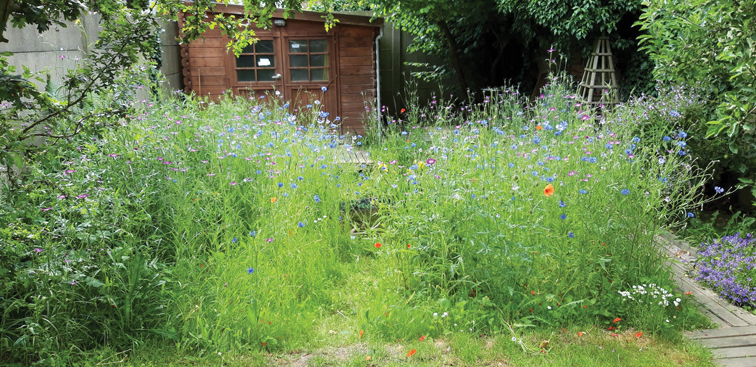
point(93, 282)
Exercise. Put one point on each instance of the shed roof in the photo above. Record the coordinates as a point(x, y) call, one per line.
point(361, 18)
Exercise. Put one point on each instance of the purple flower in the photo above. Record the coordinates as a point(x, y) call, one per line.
point(37, 250)
point(46, 209)
point(430, 161)
point(269, 240)
point(82, 196)
point(233, 183)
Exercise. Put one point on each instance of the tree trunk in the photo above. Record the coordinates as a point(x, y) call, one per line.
point(454, 54)
point(6, 7)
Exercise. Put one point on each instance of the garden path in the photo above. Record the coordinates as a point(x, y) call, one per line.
point(734, 343)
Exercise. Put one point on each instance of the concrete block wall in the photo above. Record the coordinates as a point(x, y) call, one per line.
point(61, 48)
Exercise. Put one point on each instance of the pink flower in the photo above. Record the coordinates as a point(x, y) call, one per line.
point(46, 209)
point(233, 183)
point(82, 196)
point(585, 117)
point(571, 173)
point(38, 250)
point(430, 161)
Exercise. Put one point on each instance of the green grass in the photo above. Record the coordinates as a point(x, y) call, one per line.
point(231, 229)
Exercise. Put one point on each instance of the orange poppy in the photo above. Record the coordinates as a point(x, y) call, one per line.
point(538, 127)
point(688, 293)
point(617, 320)
point(361, 331)
point(378, 245)
point(580, 333)
point(411, 353)
point(549, 190)
point(273, 199)
point(409, 245)
point(368, 358)
point(638, 335)
point(422, 337)
point(532, 292)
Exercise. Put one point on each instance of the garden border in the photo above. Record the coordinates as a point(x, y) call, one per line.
point(734, 343)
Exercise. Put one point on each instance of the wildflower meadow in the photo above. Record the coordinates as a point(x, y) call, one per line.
point(239, 225)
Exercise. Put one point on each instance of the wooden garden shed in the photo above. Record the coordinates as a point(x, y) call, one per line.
point(294, 57)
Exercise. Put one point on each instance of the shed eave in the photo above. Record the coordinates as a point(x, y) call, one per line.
point(311, 16)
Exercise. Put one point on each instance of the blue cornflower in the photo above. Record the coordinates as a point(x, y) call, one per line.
point(250, 270)
point(300, 178)
point(323, 88)
point(609, 146)
point(666, 138)
point(536, 140)
point(293, 186)
point(563, 216)
point(473, 196)
point(572, 235)
point(625, 192)
point(682, 144)
point(682, 134)
point(718, 189)
point(636, 140)
point(535, 173)
point(674, 113)
point(691, 215)
point(511, 165)
point(514, 146)
point(583, 192)
point(592, 159)
point(317, 198)
point(234, 240)
point(300, 225)
point(562, 204)
point(258, 172)
point(280, 184)
point(253, 233)
point(682, 152)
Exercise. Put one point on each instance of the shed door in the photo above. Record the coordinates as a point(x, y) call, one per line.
point(309, 64)
point(258, 69)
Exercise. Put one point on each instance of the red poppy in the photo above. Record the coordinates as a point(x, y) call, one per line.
point(378, 245)
point(532, 292)
point(422, 337)
point(639, 334)
point(411, 353)
point(402, 110)
point(549, 190)
point(580, 333)
point(409, 245)
point(617, 320)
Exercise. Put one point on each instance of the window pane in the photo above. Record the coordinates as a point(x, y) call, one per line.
point(245, 75)
point(265, 75)
point(318, 45)
point(264, 47)
point(245, 61)
point(298, 75)
point(298, 61)
point(319, 74)
point(298, 46)
point(318, 60)
point(249, 49)
point(265, 61)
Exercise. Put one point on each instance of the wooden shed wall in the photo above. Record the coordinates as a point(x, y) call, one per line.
point(356, 74)
point(208, 68)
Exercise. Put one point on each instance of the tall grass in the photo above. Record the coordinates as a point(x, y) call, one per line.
point(233, 225)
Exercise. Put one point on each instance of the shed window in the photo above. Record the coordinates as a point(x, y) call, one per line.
point(308, 60)
point(256, 62)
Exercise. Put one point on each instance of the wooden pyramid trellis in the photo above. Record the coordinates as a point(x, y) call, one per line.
point(599, 85)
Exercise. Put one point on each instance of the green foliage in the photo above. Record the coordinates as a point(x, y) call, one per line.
point(710, 45)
